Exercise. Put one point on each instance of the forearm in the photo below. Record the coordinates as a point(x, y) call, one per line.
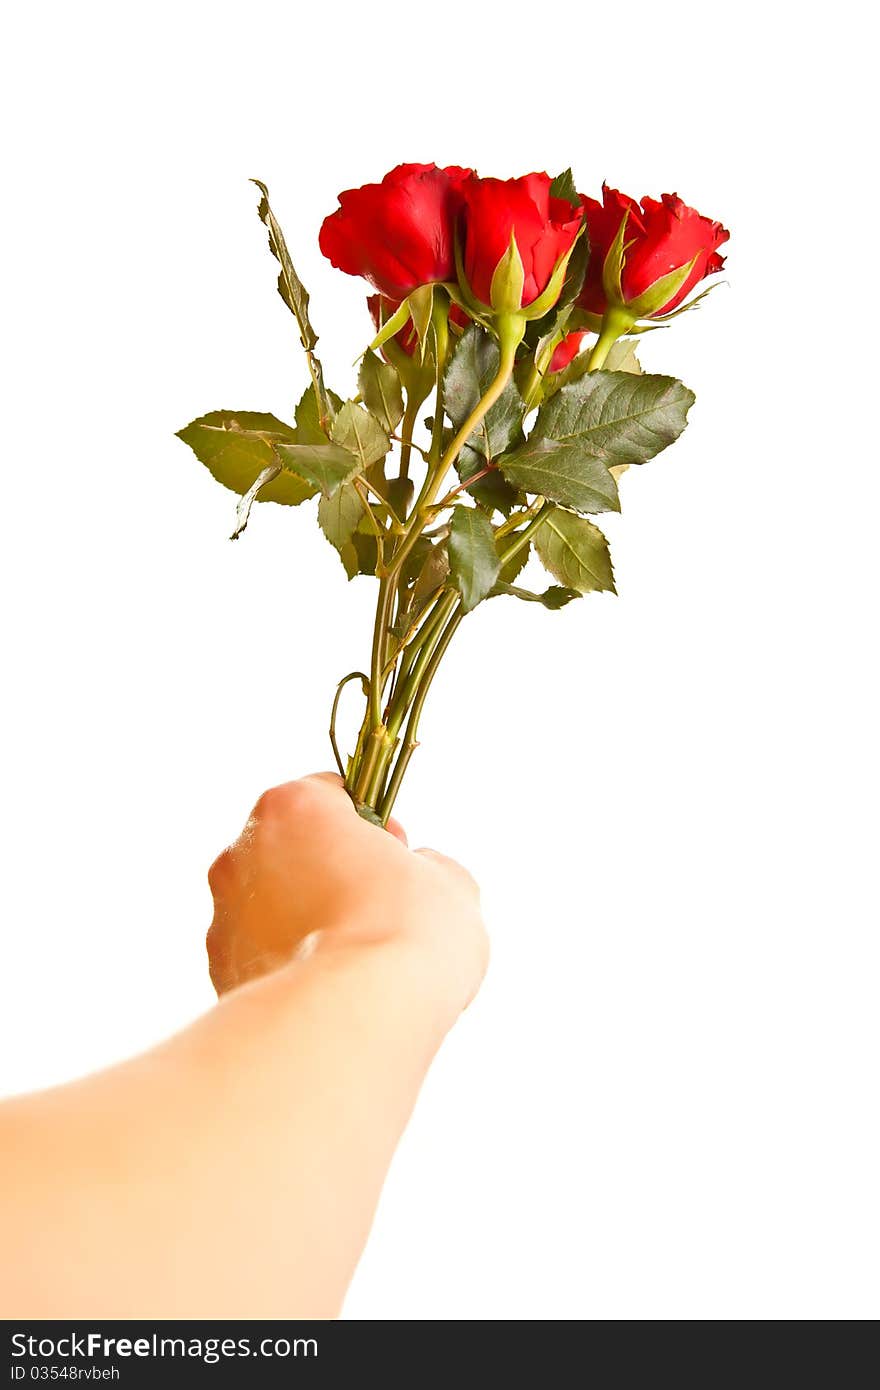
point(234, 1170)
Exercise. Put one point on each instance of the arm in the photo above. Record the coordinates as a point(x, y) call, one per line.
point(234, 1170)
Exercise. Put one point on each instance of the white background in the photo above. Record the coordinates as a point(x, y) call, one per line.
point(663, 1104)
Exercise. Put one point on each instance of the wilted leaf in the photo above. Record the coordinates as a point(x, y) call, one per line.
point(433, 573)
point(290, 287)
point(236, 446)
point(295, 296)
point(356, 430)
point(554, 597)
point(243, 510)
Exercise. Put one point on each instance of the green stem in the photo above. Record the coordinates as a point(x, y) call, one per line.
point(523, 537)
point(532, 387)
point(437, 472)
point(615, 323)
point(409, 686)
point(410, 415)
point(384, 606)
point(377, 745)
point(411, 741)
point(517, 518)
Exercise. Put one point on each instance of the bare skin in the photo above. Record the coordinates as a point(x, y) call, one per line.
point(233, 1171)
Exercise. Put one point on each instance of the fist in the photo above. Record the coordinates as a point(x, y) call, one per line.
point(308, 873)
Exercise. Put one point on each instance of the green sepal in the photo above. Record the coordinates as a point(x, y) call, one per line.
point(689, 304)
point(612, 267)
point(660, 292)
point(421, 306)
point(398, 320)
point(508, 281)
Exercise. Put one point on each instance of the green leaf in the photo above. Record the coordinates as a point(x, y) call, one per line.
point(554, 597)
point(473, 559)
point(472, 369)
point(356, 430)
point(515, 564)
point(326, 466)
point(421, 307)
point(622, 357)
point(603, 420)
point(416, 558)
point(237, 446)
point(618, 416)
point(380, 389)
point(562, 471)
point(338, 517)
point(493, 492)
point(508, 280)
point(574, 551)
point(430, 576)
point(366, 552)
point(399, 492)
point(308, 417)
point(563, 186)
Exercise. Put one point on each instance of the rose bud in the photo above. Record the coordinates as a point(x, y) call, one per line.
point(398, 234)
point(646, 257)
point(516, 240)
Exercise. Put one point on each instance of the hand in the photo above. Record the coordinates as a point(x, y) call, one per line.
point(308, 873)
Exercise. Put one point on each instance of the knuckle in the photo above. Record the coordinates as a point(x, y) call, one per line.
point(284, 800)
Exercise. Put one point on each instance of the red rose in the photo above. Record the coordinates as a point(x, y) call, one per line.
point(544, 229)
point(660, 237)
point(398, 234)
point(382, 309)
point(567, 350)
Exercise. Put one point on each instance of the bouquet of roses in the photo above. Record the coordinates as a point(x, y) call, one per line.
point(505, 315)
